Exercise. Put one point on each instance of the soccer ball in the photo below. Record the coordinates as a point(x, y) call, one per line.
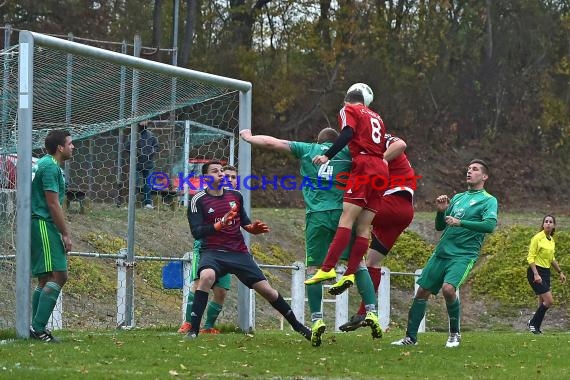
point(365, 90)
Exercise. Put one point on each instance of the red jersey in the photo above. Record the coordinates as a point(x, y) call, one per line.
point(368, 130)
point(402, 175)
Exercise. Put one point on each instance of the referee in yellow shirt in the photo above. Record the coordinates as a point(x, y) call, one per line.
point(540, 258)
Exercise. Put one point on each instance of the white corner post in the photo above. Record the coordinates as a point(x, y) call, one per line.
point(417, 273)
point(121, 289)
point(384, 299)
point(341, 303)
point(186, 275)
point(298, 291)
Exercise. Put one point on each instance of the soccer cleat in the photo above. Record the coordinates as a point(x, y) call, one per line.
point(317, 331)
point(533, 328)
point(44, 336)
point(341, 285)
point(453, 340)
point(211, 330)
point(405, 341)
point(356, 321)
point(321, 276)
point(191, 335)
point(371, 320)
point(186, 326)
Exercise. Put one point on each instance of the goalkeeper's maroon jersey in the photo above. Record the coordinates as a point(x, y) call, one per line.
point(206, 209)
point(368, 127)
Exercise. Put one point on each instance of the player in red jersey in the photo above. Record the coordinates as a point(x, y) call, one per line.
point(395, 215)
point(364, 132)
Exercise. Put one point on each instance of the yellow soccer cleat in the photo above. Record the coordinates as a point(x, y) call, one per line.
point(372, 321)
point(344, 283)
point(321, 276)
point(317, 330)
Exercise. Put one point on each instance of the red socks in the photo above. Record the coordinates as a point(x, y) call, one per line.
point(338, 245)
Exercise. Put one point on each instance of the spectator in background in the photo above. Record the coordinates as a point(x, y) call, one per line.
point(147, 147)
point(540, 258)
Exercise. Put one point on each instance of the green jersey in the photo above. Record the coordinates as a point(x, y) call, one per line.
point(321, 190)
point(475, 206)
point(48, 177)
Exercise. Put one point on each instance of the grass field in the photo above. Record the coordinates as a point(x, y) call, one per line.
point(159, 354)
point(162, 354)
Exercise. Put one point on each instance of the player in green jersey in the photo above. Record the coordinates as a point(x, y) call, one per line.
point(464, 220)
point(50, 237)
point(323, 203)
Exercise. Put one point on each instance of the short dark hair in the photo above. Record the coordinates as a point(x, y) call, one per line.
point(55, 138)
point(206, 166)
point(229, 167)
point(482, 163)
point(553, 219)
point(327, 135)
point(354, 97)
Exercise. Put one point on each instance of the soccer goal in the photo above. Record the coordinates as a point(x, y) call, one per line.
point(101, 96)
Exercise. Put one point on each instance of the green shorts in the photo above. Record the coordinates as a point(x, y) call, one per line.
point(320, 228)
point(48, 251)
point(224, 282)
point(453, 271)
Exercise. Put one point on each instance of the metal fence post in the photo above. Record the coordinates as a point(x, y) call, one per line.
point(384, 299)
point(298, 291)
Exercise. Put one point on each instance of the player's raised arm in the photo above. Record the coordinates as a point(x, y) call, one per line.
point(264, 141)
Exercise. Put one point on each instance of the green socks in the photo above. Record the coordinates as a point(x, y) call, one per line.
point(46, 303)
point(212, 313)
point(454, 312)
point(36, 300)
point(415, 316)
point(366, 288)
point(315, 297)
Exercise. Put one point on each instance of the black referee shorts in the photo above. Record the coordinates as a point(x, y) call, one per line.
point(238, 263)
point(545, 285)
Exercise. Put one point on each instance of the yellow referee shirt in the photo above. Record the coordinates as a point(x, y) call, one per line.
point(541, 250)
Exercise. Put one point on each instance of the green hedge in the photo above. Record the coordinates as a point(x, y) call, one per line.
point(409, 253)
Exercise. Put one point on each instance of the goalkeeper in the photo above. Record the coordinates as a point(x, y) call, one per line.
point(222, 286)
point(215, 216)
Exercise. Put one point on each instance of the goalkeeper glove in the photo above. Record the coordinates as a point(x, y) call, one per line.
point(227, 219)
point(257, 228)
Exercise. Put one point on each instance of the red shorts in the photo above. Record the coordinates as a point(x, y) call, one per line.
point(395, 215)
point(367, 182)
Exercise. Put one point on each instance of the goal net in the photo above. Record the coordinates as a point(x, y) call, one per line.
point(101, 97)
